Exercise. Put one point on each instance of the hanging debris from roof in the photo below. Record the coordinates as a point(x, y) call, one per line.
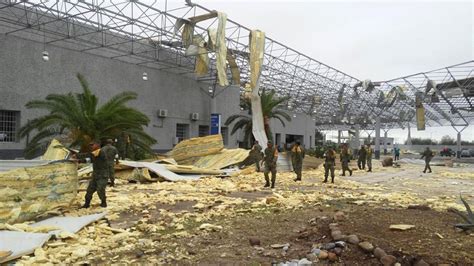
point(420, 113)
point(257, 46)
point(196, 46)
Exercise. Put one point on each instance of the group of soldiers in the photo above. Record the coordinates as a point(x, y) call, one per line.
point(270, 155)
point(103, 160)
point(365, 157)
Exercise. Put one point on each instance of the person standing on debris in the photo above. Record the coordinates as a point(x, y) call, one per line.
point(112, 158)
point(297, 156)
point(256, 154)
point(369, 152)
point(100, 173)
point(428, 155)
point(345, 159)
point(361, 157)
point(270, 158)
point(396, 154)
point(329, 164)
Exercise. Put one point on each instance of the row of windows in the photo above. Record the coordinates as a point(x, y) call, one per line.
point(182, 132)
point(10, 122)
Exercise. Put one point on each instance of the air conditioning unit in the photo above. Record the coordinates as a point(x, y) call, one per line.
point(194, 116)
point(162, 113)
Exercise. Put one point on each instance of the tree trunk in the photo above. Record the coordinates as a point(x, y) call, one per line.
point(266, 125)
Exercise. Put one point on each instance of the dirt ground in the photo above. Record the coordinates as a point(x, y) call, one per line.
point(210, 221)
point(295, 227)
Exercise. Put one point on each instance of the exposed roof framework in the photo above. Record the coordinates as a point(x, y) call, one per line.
point(143, 34)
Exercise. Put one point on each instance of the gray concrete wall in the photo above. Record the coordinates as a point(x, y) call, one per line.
point(300, 124)
point(24, 76)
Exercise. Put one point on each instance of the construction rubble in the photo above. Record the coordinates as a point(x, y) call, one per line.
point(142, 217)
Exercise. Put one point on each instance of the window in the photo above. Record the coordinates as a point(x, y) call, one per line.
point(203, 131)
point(182, 131)
point(224, 134)
point(9, 124)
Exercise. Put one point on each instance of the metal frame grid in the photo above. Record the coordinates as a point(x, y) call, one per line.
point(142, 34)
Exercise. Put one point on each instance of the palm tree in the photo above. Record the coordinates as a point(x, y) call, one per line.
point(269, 103)
point(78, 117)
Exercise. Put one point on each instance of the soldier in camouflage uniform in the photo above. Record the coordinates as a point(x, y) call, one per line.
point(361, 158)
point(345, 159)
point(428, 155)
point(112, 158)
point(256, 154)
point(297, 156)
point(329, 164)
point(99, 176)
point(368, 159)
point(270, 158)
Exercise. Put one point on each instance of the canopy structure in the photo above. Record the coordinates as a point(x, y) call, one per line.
point(151, 35)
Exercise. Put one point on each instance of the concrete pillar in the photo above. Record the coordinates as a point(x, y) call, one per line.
point(339, 132)
point(377, 138)
point(213, 105)
point(458, 143)
point(357, 136)
point(409, 135)
point(356, 141)
point(385, 136)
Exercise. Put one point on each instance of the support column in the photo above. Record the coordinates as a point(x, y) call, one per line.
point(458, 144)
point(385, 137)
point(377, 138)
point(213, 104)
point(339, 132)
point(409, 135)
point(356, 141)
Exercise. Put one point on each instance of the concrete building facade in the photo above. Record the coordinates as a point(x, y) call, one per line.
point(24, 76)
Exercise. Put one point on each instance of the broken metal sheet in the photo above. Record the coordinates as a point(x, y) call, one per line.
point(167, 161)
point(23, 243)
point(20, 243)
point(234, 68)
point(222, 159)
point(258, 128)
point(85, 171)
point(160, 170)
point(420, 112)
point(187, 34)
point(221, 50)
point(200, 18)
point(197, 147)
point(189, 169)
point(257, 46)
point(55, 151)
point(202, 59)
point(70, 224)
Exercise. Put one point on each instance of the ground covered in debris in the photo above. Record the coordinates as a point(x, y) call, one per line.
point(234, 219)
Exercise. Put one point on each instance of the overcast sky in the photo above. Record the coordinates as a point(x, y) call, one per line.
point(377, 40)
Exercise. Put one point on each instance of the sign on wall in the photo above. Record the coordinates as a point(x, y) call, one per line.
point(215, 124)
